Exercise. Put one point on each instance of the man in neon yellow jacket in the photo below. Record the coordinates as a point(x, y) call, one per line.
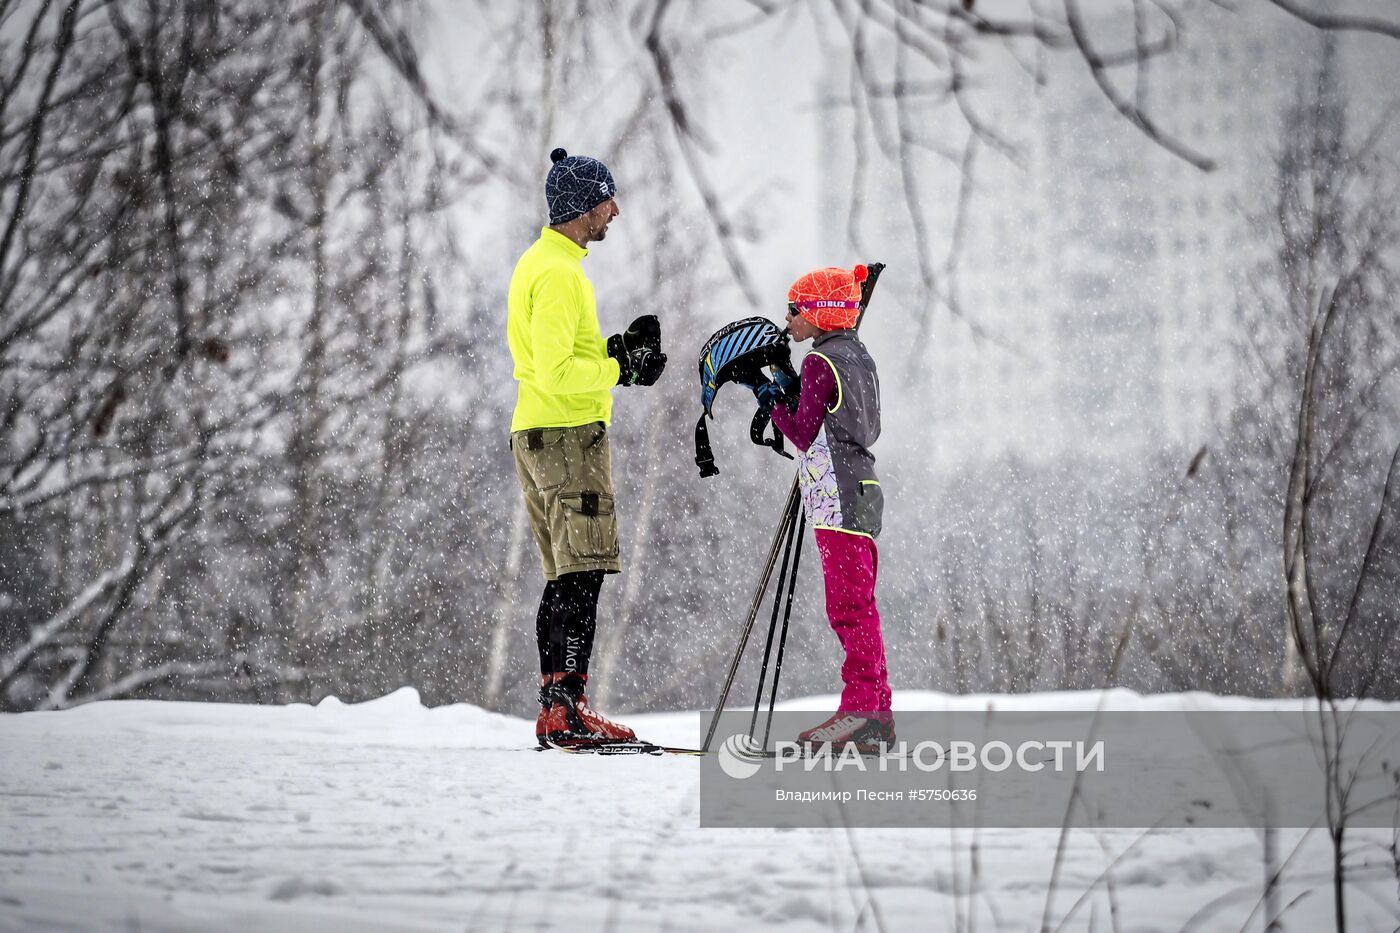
point(559, 435)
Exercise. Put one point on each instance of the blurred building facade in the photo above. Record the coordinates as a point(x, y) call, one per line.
point(1096, 284)
point(1110, 266)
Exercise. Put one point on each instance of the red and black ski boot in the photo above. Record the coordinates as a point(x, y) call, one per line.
point(542, 723)
point(584, 725)
point(559, 722)
point(866, 733)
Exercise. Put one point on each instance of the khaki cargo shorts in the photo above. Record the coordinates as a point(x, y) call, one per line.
point(566, 476)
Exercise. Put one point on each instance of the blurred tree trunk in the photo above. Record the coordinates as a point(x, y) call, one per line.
point(305, 449)
point(504, 612)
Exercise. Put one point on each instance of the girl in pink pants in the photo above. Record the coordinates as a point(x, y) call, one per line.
point(836, 420)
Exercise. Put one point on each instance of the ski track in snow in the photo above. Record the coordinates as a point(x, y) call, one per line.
point(386, 815)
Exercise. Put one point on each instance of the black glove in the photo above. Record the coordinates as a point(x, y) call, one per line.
point(645, 331)
point(641, 367)
point(638, 352)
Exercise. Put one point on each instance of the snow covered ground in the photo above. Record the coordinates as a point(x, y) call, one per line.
point(387, 815)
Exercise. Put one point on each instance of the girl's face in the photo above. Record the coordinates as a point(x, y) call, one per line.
point(801, 328)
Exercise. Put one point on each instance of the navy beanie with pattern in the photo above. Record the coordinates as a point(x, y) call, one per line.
point(575, 185)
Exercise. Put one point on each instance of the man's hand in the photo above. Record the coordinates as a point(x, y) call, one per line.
point(641, 367)
point(637, 350)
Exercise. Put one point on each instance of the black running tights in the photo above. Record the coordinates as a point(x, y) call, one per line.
point(566, 620)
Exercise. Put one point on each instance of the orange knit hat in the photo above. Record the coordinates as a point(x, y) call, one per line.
point(829, 298)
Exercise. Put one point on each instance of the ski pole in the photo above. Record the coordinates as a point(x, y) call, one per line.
point(788, 530)
point(782, 639)
point(792, 503)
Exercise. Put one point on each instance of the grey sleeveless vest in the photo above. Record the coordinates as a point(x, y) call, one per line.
point(837, 473)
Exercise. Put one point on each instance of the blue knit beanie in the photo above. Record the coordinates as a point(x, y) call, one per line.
point(575, 185)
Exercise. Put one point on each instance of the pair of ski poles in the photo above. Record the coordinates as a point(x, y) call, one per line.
point(788, 540)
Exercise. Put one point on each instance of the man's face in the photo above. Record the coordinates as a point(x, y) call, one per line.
point(595, 222)
point(801, 328)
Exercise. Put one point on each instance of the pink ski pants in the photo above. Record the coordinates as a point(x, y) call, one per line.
point(850, 564)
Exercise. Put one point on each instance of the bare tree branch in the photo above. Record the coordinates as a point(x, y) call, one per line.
point(144, 678)
point(1339, 22)
point(400, 53)
point(36, 133)
point(686, 142)
point(65, 617)
point(1138, 118)
point(1366, 572)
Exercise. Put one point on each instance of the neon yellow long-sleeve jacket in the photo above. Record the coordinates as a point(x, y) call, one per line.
point(561, 359)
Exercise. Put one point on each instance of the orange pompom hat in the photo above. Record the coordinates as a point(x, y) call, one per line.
point(829, 298)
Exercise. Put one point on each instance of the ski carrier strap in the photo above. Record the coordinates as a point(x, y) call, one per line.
point(704, 457)
point(761, 420)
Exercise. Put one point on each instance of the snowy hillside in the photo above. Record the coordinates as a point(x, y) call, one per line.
point(178, 816)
